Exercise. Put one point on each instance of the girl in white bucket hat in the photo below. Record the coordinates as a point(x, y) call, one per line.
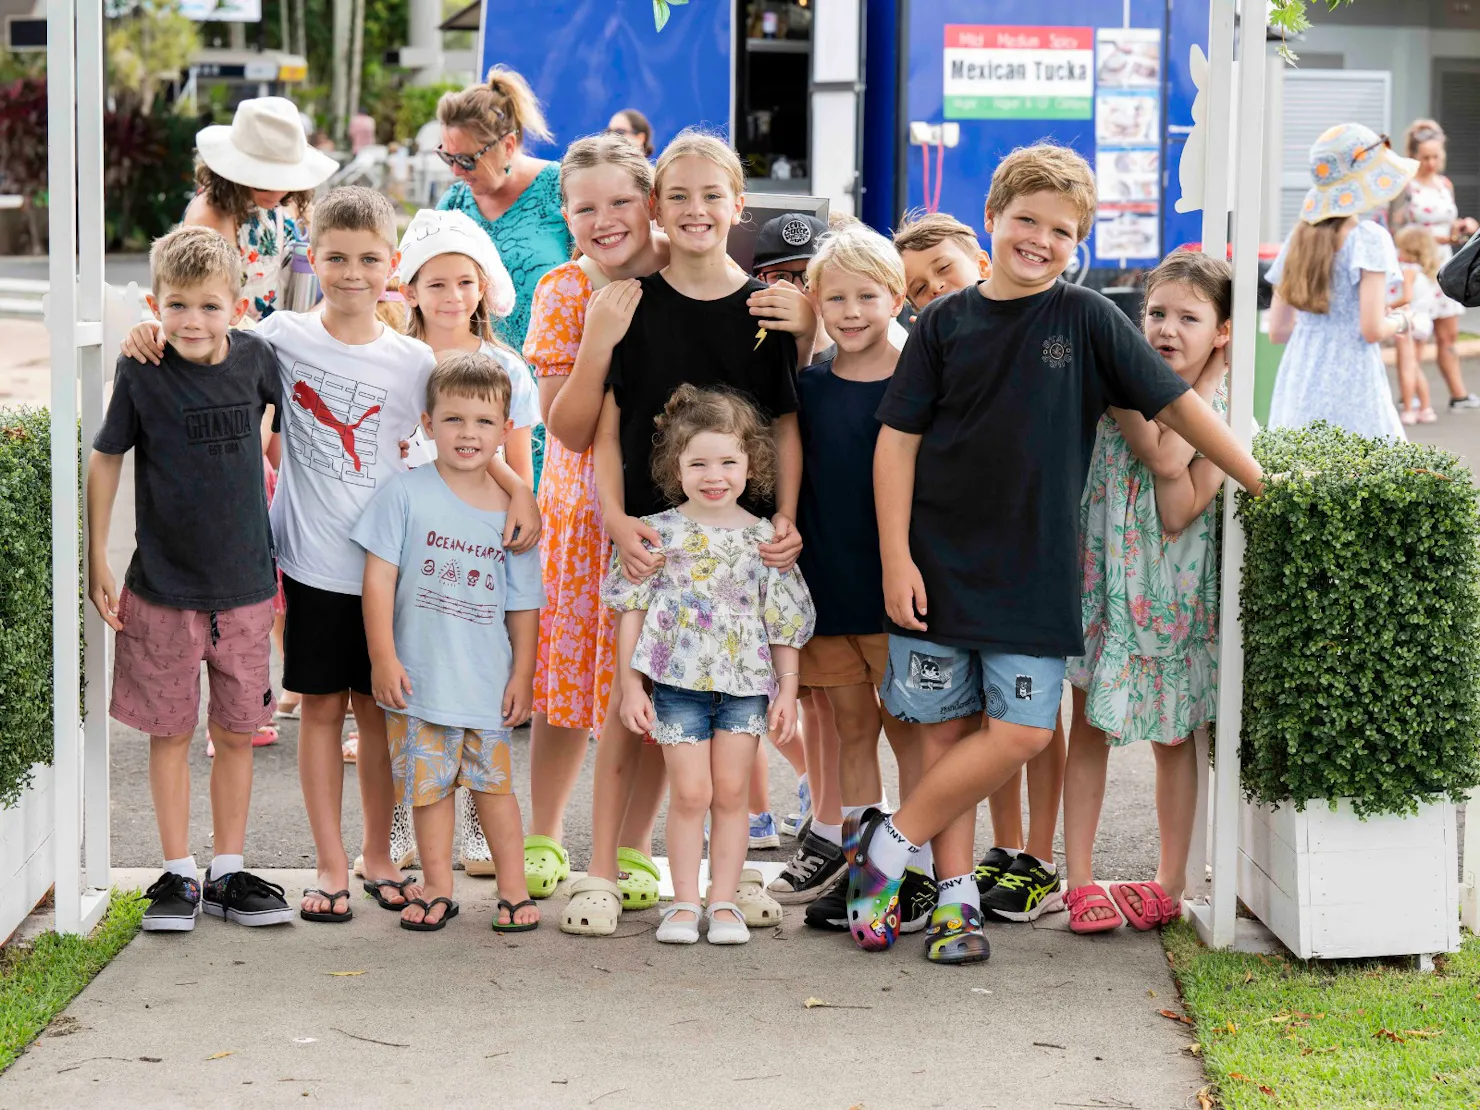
point(1333, 280)
point(255, 180)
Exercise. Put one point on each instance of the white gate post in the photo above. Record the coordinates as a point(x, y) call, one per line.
point(74, 80)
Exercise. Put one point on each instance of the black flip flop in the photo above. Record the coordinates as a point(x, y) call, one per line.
point(330, 918)
point(505, 904)
point(422, 926)
point(373, 888)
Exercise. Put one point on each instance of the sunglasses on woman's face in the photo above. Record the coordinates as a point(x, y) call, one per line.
point(467, 162)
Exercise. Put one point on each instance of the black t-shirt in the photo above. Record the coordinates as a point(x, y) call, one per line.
point(200, 507)
point(675, 340)
point(835, 514)
point(1006, 396)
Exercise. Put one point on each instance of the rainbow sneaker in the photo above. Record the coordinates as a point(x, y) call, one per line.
point(873, 897)
point(956, 935)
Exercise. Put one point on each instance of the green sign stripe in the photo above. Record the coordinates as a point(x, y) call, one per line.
point(1019, 107)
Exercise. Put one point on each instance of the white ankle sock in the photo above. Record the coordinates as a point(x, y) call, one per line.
point(890, 852)
point(184, 867)
point(959, 890)
point(852, 811)
point(924, 861)
point(226, 865)
point(1013, 852)
point(833, 834)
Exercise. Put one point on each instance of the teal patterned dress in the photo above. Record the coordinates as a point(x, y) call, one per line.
point(532, 239)
point(1149, 602)
point(266, 245)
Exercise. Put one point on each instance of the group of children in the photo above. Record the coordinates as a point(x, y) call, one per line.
point(758, 511)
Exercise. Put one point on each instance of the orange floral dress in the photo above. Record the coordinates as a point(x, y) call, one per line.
point(578, 635)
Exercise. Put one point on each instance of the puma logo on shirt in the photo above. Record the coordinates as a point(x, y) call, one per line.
point(306, 397)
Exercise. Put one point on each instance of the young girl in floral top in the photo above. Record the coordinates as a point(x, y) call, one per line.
point(1149, 553)
point(716, 632)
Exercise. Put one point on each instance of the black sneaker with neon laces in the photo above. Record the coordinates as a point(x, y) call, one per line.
point(247, 899)
point(1025, 892)
point(916, 901)
point(992, 867)
point(174, 904)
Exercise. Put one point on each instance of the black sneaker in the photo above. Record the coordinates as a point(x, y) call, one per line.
point(992, 867)
point(811, 871)
point(246, 899)
point(1468, 401)
point(830, 909)
point(916, 901)
point(1024, 892)
point(174, 904)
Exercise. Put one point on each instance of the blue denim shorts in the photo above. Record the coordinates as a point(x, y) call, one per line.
point(693, 716)
point(927, 683)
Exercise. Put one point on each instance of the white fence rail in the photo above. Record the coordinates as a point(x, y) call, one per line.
point(27, 859)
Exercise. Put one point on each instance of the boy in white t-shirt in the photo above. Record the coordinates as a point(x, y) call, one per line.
point(352, 388)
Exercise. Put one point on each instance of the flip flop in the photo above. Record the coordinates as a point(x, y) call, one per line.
point(373, 888)
point(637, 878)
point(1156, 908)
point(545, 865)
point(422, 926)
point(330, 917)
point(349, 750)
point(1080, 901)
point(513, 908)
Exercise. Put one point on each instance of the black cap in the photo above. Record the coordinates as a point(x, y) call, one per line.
point(787, 238)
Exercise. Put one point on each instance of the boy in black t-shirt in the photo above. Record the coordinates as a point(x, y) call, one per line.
point(988, 426)
point(201, 582)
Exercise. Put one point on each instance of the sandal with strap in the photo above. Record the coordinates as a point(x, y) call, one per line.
point(1081, 900)
point(681, 932)
point(373, 888)
point(637, 878)
point(329, 916)
point(546, 864)
point(727, 931)
point(594, 908)
point(513, 908)
point(425, 926)
point(1156, 908)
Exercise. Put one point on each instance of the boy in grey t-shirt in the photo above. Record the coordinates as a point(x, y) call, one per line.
point(200, 585)
point(452, 619)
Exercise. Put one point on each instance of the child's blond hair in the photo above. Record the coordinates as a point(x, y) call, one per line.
point(503, 104)
point(1419, 242)
point(354, 208)
point(605, 149)
point(470, 374)
point(923, 231)
point(690, 412)
point(1045, 168)
point(191, 256)
point(858, 250)
point(692, 142)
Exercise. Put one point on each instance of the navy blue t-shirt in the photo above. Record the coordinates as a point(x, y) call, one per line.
point(835, 513)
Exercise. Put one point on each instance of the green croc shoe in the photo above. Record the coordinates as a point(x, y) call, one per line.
point(637, 879)
point(545, 865)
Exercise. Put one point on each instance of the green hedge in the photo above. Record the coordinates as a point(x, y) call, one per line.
point(1361, 614)
point(25, 597)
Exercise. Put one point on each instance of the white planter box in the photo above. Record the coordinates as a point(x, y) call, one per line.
point(1332, 886)
point(27, 862)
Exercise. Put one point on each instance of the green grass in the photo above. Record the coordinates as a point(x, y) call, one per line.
point(37, 982)
point(1355, 1034)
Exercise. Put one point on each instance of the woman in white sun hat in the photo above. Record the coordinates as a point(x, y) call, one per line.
point(255, 182)
point(1333, 280)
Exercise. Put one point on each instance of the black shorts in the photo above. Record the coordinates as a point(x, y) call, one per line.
point(324, 648)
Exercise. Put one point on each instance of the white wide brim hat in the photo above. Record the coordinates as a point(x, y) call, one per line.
point(431, 233)
point(264, 148)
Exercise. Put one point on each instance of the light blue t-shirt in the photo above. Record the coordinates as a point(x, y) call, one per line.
point(456, 584)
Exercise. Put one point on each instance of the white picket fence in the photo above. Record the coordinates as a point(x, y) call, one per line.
point(27, 852)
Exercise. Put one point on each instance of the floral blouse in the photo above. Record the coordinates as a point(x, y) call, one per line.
point(713, 608)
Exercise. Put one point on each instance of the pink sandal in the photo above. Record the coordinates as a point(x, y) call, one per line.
point(1081, 900)
point(1156, 908)
point(267, 734)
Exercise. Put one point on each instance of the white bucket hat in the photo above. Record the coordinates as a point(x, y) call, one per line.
point(431, 233)
point(264, 148)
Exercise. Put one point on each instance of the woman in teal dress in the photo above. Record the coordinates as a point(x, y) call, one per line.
point(511, 195)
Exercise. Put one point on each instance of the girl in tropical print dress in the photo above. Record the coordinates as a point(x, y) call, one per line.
point(1149, 598)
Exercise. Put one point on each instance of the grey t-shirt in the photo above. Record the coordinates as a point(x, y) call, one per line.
point(200, 505)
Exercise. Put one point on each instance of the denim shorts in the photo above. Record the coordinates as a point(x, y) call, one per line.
point(693, 716)
point(928, 683)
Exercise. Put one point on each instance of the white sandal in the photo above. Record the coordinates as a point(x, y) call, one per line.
point(725, 931)
point(594, 908)
point(680, 932)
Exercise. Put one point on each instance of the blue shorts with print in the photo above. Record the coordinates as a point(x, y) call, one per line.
point(693, 716)
point(927, 683)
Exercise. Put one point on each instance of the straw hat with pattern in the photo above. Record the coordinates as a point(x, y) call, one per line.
point(1355, 171)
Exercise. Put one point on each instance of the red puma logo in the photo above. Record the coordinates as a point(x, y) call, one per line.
point(306, 398)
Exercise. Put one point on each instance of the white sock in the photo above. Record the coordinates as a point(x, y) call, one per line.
point(185, 867)
point(226, 865)
point(959, 890)
point(924, 861)
point(852, 811)
point(833, 834)
point(1046, 864)
point(1013, 852)
point(882, 805)
point(890, 852)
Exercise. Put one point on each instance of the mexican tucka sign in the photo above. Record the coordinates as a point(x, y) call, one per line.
point(994, 72)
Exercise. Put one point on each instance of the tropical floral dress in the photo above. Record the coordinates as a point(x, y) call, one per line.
point(266, 245)
point(532, 239)
point(1149, 602)
point(713, 608)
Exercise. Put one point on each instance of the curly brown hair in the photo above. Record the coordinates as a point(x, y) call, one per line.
point(690, 412)
point(236, 201)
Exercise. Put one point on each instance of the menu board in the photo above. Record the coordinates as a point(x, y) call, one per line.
point(1128, 93)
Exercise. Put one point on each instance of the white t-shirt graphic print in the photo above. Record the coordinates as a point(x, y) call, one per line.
point(345, 408)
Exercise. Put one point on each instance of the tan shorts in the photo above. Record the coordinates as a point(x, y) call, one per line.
point(844, 660)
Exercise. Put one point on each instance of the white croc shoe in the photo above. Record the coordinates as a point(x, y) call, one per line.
point(680, 932)
point(726, 930)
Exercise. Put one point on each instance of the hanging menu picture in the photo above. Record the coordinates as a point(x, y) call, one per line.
point(1128, 74)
